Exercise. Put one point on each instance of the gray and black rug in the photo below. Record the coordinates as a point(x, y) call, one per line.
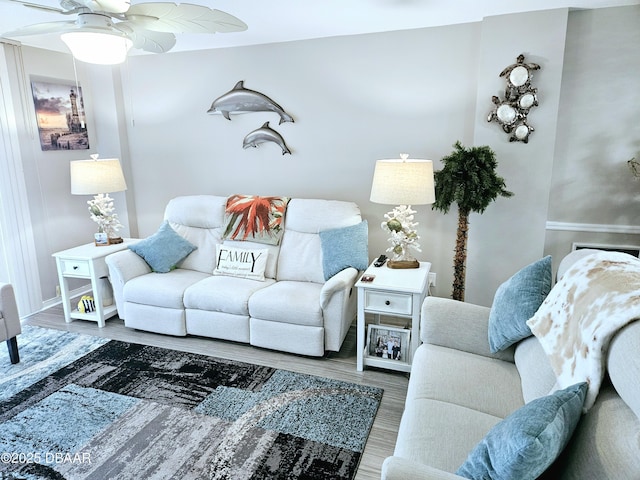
point(117, 410)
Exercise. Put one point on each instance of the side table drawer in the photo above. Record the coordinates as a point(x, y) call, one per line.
point(387, 302)
point(78, 268)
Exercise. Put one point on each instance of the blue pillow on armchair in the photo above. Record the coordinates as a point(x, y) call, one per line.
point(516, 301)
point(345, 247)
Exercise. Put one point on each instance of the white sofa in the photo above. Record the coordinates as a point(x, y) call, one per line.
point(293, 310)
point(459, 390)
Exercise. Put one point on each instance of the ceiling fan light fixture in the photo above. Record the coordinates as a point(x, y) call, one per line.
point(102, 48)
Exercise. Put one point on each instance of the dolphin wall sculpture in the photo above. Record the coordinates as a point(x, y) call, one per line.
point(243, 100)
point(265, 134)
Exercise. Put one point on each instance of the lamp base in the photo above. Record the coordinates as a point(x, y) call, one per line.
point(403, 264)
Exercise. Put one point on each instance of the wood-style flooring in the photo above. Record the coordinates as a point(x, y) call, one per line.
point(340, 366)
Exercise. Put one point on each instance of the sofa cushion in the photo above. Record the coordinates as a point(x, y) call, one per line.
point(255, 218)
point(516, 301)
point(241, 262)
point(203, 259)
point(528, 441)
point(471, 381)
point(201, 211)
point(315, 215)
point(345, 247)
point(223, 294)
point(300, 257)
point(302, 303)
point(440, 434)
point(161, 289)
point(199, 219)
point(445, 417)
point(301, 249)
point(163, 250)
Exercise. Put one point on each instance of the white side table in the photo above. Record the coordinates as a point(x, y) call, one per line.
point(86, 261)
point(393, 292)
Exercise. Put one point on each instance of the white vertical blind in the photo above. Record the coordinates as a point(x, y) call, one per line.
point(18, 264)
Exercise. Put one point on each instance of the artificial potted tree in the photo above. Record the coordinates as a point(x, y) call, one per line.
point(469, 179)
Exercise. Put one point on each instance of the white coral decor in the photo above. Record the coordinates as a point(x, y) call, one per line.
point(399, 223)
point(101, 209)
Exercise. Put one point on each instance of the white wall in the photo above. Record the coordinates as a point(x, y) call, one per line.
point(510, 234)
point(354, 99)
point(594, 198)
point(61, 220)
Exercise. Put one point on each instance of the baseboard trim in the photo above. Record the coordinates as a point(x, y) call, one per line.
point(593, 227)
point(52, 302)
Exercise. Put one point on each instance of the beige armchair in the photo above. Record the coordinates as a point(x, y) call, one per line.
point(9, 321)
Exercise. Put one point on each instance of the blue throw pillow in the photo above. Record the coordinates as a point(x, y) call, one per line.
point(345, 247)
point(164, 249)
point(527, 442)
point(516, 301)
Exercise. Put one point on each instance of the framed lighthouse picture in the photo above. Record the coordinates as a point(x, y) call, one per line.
point(59, 108)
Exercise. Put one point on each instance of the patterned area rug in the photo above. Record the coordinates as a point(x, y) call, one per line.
point(81, 407)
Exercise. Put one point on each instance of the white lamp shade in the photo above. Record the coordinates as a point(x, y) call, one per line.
point(102, 48)
point(403, 181)
point(90, 177)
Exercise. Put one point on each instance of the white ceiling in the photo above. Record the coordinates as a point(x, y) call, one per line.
point(286, 20)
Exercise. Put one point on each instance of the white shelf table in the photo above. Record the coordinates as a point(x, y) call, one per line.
point(86, 262)
point(393, 292)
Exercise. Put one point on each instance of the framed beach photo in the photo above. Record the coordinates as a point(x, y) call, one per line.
point(391, 343)
point(59, 108)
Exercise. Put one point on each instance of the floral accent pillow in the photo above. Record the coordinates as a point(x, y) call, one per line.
point(254, 218)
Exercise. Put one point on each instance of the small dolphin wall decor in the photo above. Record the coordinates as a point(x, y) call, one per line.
point(243, 100)
point(265, 134)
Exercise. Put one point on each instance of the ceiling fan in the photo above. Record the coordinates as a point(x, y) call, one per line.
point(119, 25)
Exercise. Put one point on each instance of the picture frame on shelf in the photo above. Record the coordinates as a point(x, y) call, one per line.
point(101, 239)
point(387, 342)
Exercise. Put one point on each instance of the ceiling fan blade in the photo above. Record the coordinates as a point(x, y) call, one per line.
point(46, 8)
point(147, 40)
point(41, 29)
point(183, 18)
point(107, 6)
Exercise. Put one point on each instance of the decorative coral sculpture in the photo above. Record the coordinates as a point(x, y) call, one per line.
point(404, 237)
point(102, 212)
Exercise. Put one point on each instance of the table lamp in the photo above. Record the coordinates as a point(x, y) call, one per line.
point(403, 182)
point(99, 178)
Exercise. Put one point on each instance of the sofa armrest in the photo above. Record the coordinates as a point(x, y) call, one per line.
point(396, 468)
point(123, 266)
point(459, 325)
point(338, 304)
point(343, 280)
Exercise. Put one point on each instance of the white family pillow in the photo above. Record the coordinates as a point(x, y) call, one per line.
point(241, 262)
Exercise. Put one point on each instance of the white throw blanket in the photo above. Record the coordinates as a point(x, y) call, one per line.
point(595, 298)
